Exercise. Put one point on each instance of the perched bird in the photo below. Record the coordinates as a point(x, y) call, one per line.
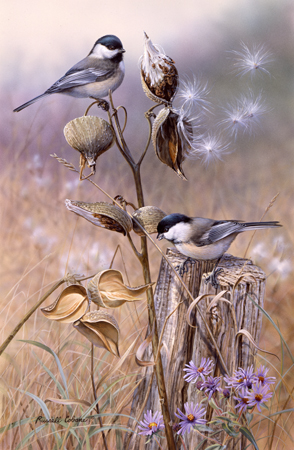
point(204, 239)
point(93, 76)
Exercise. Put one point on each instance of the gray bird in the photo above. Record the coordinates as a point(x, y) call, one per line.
point(93, 76)
point(204, 239)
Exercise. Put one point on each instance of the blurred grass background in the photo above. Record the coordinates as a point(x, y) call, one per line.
point(41, 240)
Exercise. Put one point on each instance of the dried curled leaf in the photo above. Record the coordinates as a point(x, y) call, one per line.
point(91, 136)
point(250, 338)
point(172, 137)
point(102, 214)
point(101, 329)
point(108, 289)
point(149, 217)
point(141, 350)
point(70, 306)
point(159, 75)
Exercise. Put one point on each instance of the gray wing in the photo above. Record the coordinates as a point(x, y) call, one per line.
point(82, 73)
point(209, 231)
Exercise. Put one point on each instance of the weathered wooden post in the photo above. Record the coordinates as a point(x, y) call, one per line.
point(182, 343)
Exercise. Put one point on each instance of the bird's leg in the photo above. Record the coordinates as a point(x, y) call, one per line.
point(103, 104)
point(212, 277)
point(183, 267)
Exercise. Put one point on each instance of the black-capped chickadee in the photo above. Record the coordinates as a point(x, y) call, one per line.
point(204, 239)
point(93, 76)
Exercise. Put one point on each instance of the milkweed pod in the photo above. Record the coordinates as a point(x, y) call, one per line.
point(159, 75)
point(168, 140)
point(101, 329)
point(91, 136)
point(70, 306)
point(108, 290)
point(102, 214)
point(149, 217)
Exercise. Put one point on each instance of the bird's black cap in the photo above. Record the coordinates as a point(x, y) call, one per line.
point(109, 40)
point(171, 220)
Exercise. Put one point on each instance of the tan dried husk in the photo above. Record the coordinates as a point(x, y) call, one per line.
point(90, 135)
point(69, 306)
point(107, 289)
point(102, 214)
point(167, 142)
point(101, 329)
point(149, 217)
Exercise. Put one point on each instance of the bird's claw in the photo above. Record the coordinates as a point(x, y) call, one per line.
point(212, 278)
point(183, 267)
point(103, 104)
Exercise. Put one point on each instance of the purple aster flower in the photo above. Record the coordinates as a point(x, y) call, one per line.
point(226, 393)
point(259, 395)
point(193, 372)
point(151, 424)
point(243, 399)
point(261, 376)
point(241, 378)
point(211, 385)
point(191, 417)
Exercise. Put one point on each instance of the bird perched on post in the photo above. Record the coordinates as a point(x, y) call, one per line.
point(204, 239)
point(103, 69)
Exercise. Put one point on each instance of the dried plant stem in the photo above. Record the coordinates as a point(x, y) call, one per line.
point(95, 397)
point(144, 260)
point(266, 210)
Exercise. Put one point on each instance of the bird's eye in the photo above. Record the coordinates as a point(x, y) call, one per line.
point(110, 47)
point(165, 229)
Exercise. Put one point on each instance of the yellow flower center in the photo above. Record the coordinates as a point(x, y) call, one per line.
point(240, 380)
point(190, 417)
point(152, 424)
point(200, 369)
point(261, 378)
point(245, 400)
point(258, 397)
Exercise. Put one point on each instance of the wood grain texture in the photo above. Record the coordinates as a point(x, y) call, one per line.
point(183, 343)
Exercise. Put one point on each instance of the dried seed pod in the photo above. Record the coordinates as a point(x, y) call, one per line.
point(107, 289)
point(172, 138)
point(102, 214)
point(149, 217)
point(91, 136)
point(101, 329)
point(70, 306)
point(159, 75)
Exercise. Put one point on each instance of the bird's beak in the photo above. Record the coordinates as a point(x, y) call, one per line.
point(160, 236)
point(122, 50)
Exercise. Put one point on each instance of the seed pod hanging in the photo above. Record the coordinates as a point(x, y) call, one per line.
point(108, 290)
point(101, 329)
point(70, 306)
point(102, 214)
point(91, 136)
point(159, 75)
point(172, 136)
point(149, 217)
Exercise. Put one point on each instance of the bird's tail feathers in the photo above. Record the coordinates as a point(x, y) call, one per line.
point(260, 225)
point(30, 102)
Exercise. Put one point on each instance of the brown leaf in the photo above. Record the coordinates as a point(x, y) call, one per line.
point(108, 290)
point(141, 350)
point(70, 306)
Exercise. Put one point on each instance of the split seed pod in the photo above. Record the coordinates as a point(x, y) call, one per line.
point(149, 217)
point(159, 75)
point(91, 136)
point(70, 306)
point(107, 289)
point(172, 137)
point(101, 329)
point(102, 214)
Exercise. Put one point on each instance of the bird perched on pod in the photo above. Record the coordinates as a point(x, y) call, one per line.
point(102, 70)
